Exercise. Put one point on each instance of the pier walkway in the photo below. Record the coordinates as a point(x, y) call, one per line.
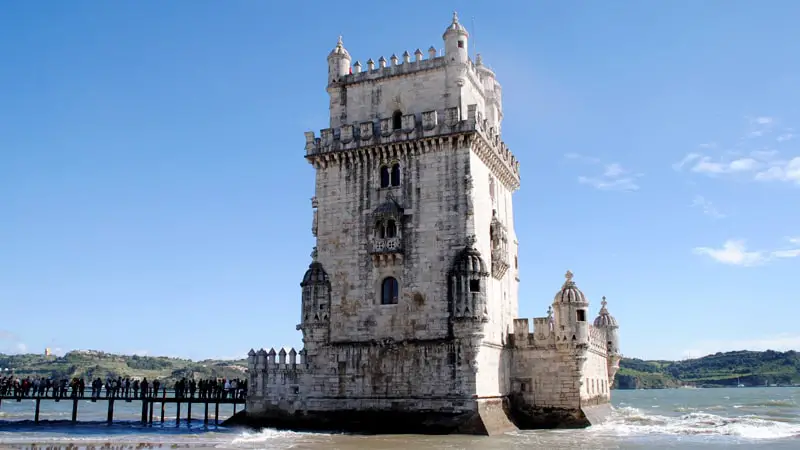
point(148, 404)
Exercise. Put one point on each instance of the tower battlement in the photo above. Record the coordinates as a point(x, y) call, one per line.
point(416, 132)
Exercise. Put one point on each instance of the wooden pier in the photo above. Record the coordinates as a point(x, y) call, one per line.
point(148, 405)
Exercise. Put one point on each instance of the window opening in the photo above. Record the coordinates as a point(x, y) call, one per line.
point(390, 290)
point(397, 120)
point(385, 176)
point(474, 285)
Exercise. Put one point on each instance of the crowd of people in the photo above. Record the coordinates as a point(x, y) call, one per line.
point(121, 388)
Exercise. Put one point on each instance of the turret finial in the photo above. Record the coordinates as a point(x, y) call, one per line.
point(568, 276)
point(314, 254)
point(471, 240)
point(604, 302)
point(340, 43)
point(550, 313)
point(455, 17)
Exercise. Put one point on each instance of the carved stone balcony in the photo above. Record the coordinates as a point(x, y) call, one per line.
point(387, 251)
point(500, 264)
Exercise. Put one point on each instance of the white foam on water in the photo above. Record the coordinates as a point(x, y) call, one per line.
point(631, 422)
point(249, 438)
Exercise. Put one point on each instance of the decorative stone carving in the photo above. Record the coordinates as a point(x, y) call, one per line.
point(499, 239)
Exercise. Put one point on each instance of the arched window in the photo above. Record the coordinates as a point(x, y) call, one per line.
point(380, 230)
point(390, 291)
point(397, 120)
point(395, 178)
point(385, 176)
point(391, 229)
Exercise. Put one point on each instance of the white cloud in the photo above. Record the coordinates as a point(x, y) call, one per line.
point(21, 347)
point(734, 252)
point(763, 120)
point(140, 352)
point(780, 342)
point(787, 171)
point(707, 207)
point(614, 176)
point(785, 137)
point(709, 166)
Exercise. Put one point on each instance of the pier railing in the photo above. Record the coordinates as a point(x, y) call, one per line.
point(163, 396)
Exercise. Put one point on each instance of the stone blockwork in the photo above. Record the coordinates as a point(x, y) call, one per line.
point(409, 306)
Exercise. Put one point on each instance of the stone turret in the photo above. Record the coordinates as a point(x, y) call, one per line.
point(467, 289)
point(570, 305)
point(606, 322)
point(456, 42)
point(338, 62)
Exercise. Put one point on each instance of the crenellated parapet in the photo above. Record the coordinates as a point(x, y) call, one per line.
point(275, 374)
point(597, 341)
point(425, 132)
point(371, 71)
point(542, 335)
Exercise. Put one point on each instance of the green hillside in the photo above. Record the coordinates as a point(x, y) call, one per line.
point(93, 364)
point(720, 369)
point(717, 370)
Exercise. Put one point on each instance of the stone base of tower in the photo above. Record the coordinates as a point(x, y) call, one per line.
point(480, 417)
point(528, 417)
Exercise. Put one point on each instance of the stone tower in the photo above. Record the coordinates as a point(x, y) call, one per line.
point(413, 219)
point(409, 305)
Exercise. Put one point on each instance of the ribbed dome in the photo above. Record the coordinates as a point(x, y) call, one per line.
point(469, 261)
point(316, 273)
point(569, 293)
point(455, 27)
point(605, 319)
point(339, 50)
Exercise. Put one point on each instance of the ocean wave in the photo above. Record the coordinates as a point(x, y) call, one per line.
point(629, 421)
point(250, 438)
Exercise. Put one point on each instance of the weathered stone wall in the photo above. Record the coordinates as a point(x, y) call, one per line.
point(595, 387)
point(433, 229)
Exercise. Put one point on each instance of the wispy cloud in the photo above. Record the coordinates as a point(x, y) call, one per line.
point(707, 207)
point(780, 342)
point(612, 176)
point(734, 252)
point(760, 163)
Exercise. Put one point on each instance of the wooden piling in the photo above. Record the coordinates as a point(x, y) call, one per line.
point(234, 409)
point(110, 415)
point(151, 411)
point(144, 412)
point(205, 421)
point(36, 415)
point(189, 412)
point(163, 405)
point(74, 409)
point(178, 415)
point(216, 413)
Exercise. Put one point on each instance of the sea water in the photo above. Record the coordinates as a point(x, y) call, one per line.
point(766, 418)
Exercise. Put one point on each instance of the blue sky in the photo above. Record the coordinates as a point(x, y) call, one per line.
point(154, 196)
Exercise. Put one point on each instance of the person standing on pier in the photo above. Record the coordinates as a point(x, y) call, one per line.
point(156, 384)
point(135, 388)
point(144, 385)
point(192, 387)
point(127, 387)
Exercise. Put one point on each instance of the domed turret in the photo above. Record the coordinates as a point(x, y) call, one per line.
point(604, 318)
point(467, 287)
point(470, 262)
point(570, 306)
point(608, 323)
point(338, 62)
point(456, 41)
point(570, 293)
point(316, 286)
